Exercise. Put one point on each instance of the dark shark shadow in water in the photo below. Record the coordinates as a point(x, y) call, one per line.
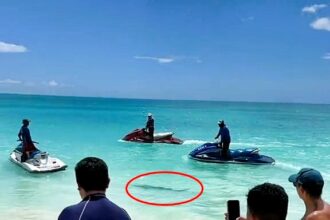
point(150, 187)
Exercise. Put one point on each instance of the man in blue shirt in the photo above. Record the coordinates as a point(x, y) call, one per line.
point(25, 137)
point(225, 139)
point(93, 180)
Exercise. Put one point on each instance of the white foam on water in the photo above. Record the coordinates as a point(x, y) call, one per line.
point(287, 166)
point(191, 142)
point(295, 168)
point(323, 144)
point(185, 158)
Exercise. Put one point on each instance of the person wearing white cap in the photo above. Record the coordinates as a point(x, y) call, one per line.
point(150, 127)
point(225, 140)
point(309, 185)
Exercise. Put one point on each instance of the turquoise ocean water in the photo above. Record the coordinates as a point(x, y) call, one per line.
point(70, 128)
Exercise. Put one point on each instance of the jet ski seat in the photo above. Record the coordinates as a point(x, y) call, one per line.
point(162, 135)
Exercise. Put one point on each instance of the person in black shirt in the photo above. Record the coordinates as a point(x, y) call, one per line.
point(25, 137)
point(150, 127)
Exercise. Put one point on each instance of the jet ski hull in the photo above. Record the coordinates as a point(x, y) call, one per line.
point(40, 163)
point(210, 153)
point(139, 135)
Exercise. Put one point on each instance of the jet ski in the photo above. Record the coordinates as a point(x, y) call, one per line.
point(38, 162)
point(139, 135)
point(210, 152)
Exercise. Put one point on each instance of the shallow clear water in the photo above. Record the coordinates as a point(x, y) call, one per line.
point(295, 135)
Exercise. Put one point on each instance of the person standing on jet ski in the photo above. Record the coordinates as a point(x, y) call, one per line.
point(150, 127)
point(225, 139)
point(25, 137)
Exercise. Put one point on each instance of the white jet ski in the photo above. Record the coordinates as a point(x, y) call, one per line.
point(38, 162)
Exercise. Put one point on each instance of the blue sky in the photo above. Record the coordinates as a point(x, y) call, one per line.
point(274, 51)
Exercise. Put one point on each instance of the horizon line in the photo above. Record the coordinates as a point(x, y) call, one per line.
point(159, 99)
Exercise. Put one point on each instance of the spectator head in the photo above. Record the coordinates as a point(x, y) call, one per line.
point(221, 123)
point(92, 175)
point(308, 180)
point(267, 202)
point(25, 122)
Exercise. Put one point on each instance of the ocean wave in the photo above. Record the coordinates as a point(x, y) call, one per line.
point(295, 168)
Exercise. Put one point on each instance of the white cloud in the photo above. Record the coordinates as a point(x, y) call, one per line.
point(165, 60)
point(10, 81)
point(326, 56)
point(158, 59)
point(313, 8)
point(52, 83)
point(11, 48)
point(169, 59)
point(321, 24)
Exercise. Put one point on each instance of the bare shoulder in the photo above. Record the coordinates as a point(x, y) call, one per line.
point(319, 215)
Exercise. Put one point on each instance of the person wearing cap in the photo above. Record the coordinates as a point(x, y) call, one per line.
point(25, 137)
point(225, 139)
point(309, 185)
point(150, 127)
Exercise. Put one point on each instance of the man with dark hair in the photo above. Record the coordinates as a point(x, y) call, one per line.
point(225, 140)
point(267, 202)
point(309, 185)
point(25, 137)
point(93, 180)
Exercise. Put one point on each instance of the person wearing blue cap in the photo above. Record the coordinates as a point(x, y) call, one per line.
point(309, 185)
point(225, 140)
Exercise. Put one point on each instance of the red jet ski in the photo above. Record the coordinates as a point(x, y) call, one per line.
point(139, 135)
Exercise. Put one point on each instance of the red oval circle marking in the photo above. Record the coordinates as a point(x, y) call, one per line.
point(165, 172)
